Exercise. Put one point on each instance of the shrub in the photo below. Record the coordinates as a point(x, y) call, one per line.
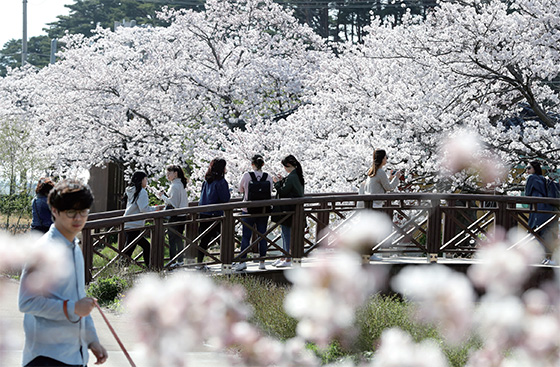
point(106, 290)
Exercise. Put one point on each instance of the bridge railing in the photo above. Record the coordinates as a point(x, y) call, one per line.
point(424, 224)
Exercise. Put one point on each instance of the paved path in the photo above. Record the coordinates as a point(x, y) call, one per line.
point(11, 319)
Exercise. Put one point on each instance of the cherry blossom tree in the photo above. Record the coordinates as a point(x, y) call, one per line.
point(145, 97)
point(470, 65)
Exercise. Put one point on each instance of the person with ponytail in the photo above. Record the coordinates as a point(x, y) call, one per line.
point(136, 198)
point(291, 186)
point(260, 222)
point(377, 181)
point(215, 190)
point(175, 198)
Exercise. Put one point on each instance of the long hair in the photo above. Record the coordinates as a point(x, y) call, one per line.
point(292, 161)
point(378, 156)
point(257, 161)
point(136, 181)
point(216, 170)
point(537, 167)
point(180, 173)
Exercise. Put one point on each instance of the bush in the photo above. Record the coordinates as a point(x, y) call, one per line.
point(107, 290)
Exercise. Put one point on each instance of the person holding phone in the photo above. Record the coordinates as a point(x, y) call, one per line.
point(176, 197)
point(377, 181)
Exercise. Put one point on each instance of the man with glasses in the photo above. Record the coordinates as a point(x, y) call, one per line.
point(58, 326)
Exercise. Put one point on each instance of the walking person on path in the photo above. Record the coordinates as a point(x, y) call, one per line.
point(291, 186)
point(175, 198)
point(58, 326)
point(256, 176)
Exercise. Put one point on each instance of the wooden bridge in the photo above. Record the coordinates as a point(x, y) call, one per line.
point(424, 225)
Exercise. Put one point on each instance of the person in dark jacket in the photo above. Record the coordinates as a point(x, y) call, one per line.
point(42, 216)
point(536, 186)
point(215, 190)
point(291, 186)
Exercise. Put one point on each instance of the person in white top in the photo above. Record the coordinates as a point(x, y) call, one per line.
point(137, 201)
point(175, 198)
point(377, 181)
point(260, 222)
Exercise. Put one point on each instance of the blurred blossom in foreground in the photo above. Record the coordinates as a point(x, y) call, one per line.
point(464, 151)
point(503, 270)
point(366, 229)
point(179, 314)
point(325, 296)
point(397, 349)
point(48, 264)
point(443, 297)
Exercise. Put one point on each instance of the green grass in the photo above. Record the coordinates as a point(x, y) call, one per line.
point(379, 314)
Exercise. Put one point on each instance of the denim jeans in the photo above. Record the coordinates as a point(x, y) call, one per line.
point(286, 237)
point(176, 240)
point(260, 223)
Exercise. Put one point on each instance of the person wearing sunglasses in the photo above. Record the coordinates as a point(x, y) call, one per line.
point(58, 326)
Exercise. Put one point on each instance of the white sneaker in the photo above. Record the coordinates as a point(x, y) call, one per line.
point(240, 267)
point(276, 262)
point(262, 266)
point(284, 264)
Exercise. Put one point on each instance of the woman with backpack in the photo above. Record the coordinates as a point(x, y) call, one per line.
point(291, 186)
point(254, 185)
point(537, 186)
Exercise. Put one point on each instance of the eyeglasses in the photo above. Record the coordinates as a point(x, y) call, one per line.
point(72, 213)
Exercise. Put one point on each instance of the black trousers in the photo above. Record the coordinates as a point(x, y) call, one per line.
point(130, 236)
point(205, 240)
point(49, 362)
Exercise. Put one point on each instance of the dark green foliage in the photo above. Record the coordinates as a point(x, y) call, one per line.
point(38, 53)
point(85, 15)
point(106, 290)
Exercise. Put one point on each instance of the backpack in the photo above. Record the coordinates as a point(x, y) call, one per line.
point(552, 190)
point(258, 190)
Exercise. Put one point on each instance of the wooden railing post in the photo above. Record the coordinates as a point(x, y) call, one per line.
point(191, 231)
point(227, 247)
point(323, 222)
point(298, 232)
point(158, 245)
point(87, 250)
point(433, 235)
point(449, 226)
point(503, 218)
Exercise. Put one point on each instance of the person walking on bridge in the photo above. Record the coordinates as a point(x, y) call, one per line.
point(291, 186)
point(58, 326)
point(215, 190)
point(137, 201)
point(257, 176)
point(377, 181)
point(175, 198)
point(536, 186)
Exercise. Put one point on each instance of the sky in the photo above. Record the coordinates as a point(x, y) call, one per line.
point(39, 13)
